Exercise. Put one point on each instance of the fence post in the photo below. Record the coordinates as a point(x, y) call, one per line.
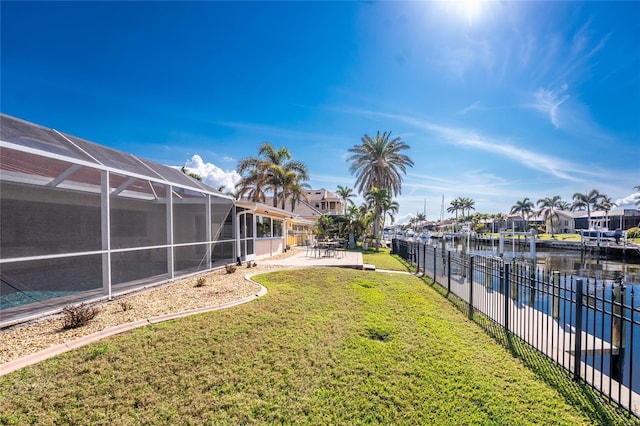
point(577, 349)
point(448, 272)
point(505, 285)
point(514, 288)
point(434, 263)
point(617, 331)
point(470, 286)
point(556, 296)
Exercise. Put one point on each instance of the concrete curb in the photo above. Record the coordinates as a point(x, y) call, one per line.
point(44, 354)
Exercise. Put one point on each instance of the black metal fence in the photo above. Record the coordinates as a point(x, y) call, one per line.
point(589, 327)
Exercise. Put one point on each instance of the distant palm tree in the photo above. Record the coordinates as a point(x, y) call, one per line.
point(420, 218)
point(605, 204)
point(377, 199)
point(390, 207)
point(467, 204)
point(548, 207)
point(196, 176)
point(378, 163)
point(454, 207)
point(524, 208)
point(586, 201)
point(637, 188)
point(346, 194)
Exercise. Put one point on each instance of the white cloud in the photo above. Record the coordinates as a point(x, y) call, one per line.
point(548, 102)
point(544, 163)
point(629, 201)
point(211, 174)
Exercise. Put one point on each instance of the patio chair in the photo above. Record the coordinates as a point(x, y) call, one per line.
point(341, 249)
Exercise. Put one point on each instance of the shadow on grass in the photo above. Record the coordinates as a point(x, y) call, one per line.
point(577, 393)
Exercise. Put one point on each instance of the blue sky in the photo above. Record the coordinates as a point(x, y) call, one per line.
point(498, 100)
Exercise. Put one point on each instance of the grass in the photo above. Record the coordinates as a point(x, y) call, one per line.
point(325, 346)
point(382, 260)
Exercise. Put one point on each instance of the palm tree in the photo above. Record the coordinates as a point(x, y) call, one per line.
point(346, 194)
point(413, 223)
point(605, 204)
point(367, 216)
point(376, 199)
point(466, 204)
point(193, 175)
point(453, 208)
point(390, 207)
point(586, 201)
point(271, 169)
point(377, 163)
point(548, 207)
point(637, 188)
point(324, 226)
point(253, 182)
point(297, 192)
point(420, 218)
point(353, 224)
point(524, 208)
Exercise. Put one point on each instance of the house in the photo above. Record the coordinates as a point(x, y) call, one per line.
point(614, 219)
point(81, 221)
point(326, 202)
point(562, 222)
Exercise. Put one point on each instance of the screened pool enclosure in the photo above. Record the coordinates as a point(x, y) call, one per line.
point(80, 221)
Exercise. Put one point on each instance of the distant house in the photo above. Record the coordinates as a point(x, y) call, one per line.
point(614, 219)
point(563, 222)
point(521, 224)
point(326, 202)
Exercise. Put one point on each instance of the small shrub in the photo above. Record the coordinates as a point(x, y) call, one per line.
point(633, 232)
point(201, 282)
point(125, 305)
point(230, 268)
point(77, 316)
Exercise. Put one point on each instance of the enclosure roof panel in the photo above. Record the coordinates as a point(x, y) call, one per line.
point(29, 135)
point(50, 142)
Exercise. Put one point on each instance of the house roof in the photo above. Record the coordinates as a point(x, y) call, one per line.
point(322, 194)
point(302, 209)
point(261, 208)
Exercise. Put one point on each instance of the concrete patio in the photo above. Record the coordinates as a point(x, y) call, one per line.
point(304, 257)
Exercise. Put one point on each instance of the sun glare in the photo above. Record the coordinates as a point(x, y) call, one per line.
point(469, 10)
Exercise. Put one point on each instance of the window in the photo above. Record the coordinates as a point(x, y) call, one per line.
point(264, 226)
point(277, 228)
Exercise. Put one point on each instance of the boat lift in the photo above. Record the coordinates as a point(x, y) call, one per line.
point(532, 242)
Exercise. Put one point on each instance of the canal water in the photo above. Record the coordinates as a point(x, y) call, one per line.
point(571, 262)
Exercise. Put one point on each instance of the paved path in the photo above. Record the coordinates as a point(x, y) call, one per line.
point(309, 257)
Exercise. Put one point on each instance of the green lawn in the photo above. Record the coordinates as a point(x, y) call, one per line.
point(382, 260)
point(325, 346)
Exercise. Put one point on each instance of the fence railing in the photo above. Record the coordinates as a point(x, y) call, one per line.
point(589, 327)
